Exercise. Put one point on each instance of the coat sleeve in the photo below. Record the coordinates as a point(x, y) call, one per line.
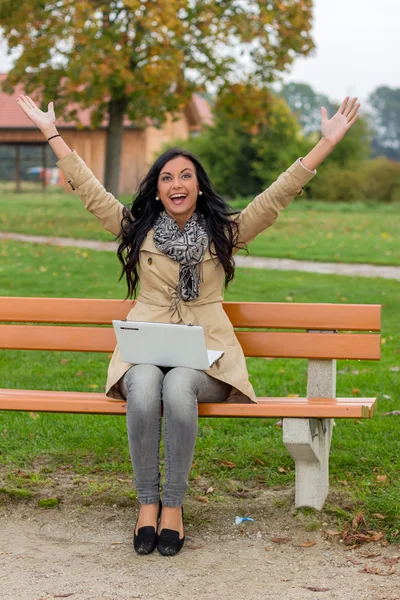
point(94, 196)
point(263, 211)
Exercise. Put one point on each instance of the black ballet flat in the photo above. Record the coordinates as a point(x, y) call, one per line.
point(169, 543)
point(145, 541)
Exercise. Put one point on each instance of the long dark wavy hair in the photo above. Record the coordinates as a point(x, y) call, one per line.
point(140, 217)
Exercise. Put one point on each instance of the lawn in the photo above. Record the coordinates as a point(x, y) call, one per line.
point(320, 231)
point(365, 461)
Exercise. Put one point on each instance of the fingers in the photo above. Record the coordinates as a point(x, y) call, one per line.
point(353, 112)
point(324, 114)
point(353, 120)
point(349, 107)
point(30, 102)
point(342, 107)
point(23, 105)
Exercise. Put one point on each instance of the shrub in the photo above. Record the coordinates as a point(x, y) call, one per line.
point(382, 180)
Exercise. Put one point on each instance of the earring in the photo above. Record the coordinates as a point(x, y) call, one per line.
point(200, 193)
point(157, 198)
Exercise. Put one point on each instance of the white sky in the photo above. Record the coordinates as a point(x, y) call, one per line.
point(357, 48)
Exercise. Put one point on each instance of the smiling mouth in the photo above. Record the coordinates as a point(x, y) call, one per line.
point(178, 198)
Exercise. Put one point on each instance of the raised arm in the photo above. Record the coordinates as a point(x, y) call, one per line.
point(94, 196)
point(263, 211)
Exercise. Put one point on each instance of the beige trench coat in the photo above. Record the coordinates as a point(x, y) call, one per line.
point(159, 274)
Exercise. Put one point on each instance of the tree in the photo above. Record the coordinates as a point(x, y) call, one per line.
point(143, 59)
point(254, 139)
point(306, 105)
point(385, 103)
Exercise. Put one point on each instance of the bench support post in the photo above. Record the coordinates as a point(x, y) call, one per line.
point(308, 440)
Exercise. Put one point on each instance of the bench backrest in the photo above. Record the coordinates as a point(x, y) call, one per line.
point(50, 315)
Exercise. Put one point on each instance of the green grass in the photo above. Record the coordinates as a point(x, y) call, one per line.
point(307, 230)
point(35, 446)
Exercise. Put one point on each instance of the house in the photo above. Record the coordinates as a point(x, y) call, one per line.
point(22, 146)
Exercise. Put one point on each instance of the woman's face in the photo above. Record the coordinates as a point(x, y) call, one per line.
point(178, 189)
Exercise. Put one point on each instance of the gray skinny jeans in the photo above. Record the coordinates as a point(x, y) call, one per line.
point(145, 387)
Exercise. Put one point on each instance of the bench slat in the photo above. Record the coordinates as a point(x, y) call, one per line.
point(94, 403)
point(277, 315)
point(254, 343)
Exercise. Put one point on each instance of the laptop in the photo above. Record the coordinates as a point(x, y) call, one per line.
point(164, 345)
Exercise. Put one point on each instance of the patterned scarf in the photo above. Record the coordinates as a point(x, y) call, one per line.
point(186, 247)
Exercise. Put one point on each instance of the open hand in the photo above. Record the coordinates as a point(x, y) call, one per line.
point(335, 128)
point(41, 119)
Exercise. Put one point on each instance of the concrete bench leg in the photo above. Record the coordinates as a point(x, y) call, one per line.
point(308, 440)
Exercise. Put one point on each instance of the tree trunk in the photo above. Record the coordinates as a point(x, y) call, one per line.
point(114, 145)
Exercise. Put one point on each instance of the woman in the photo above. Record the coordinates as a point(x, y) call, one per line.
point(179, 236)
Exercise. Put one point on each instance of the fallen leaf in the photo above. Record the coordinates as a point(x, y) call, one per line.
point(315, 589)
point(357, 520)
point(281, 470)
point(355, 391)
point(259, 461)
point(377, 537)
point(79, 373)
point(392, 561)
point(331, 532)
point(307, 544)
point(210, 490)
point(370, 554)
point(293, 395)
point(381, 478)
point(202, 499)
point(370, 570)
point(378, 515)
point(354, 561)
point(93, 386)
point(280, 540)
point(64, 361)
point(228, 464)
point(33, 416)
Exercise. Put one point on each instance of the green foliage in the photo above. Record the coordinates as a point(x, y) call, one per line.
point(385, 103)
point(247, 149)
point(374, 180)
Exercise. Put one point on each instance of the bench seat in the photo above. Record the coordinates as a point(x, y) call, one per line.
point(92, 403)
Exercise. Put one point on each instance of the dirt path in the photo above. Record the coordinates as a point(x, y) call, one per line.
point(280, 264)
point(85, 553)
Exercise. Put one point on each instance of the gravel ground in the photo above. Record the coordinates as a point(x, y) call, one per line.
point(86, 553)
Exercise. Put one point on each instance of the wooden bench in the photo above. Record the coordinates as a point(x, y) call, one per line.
point(327, 332)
